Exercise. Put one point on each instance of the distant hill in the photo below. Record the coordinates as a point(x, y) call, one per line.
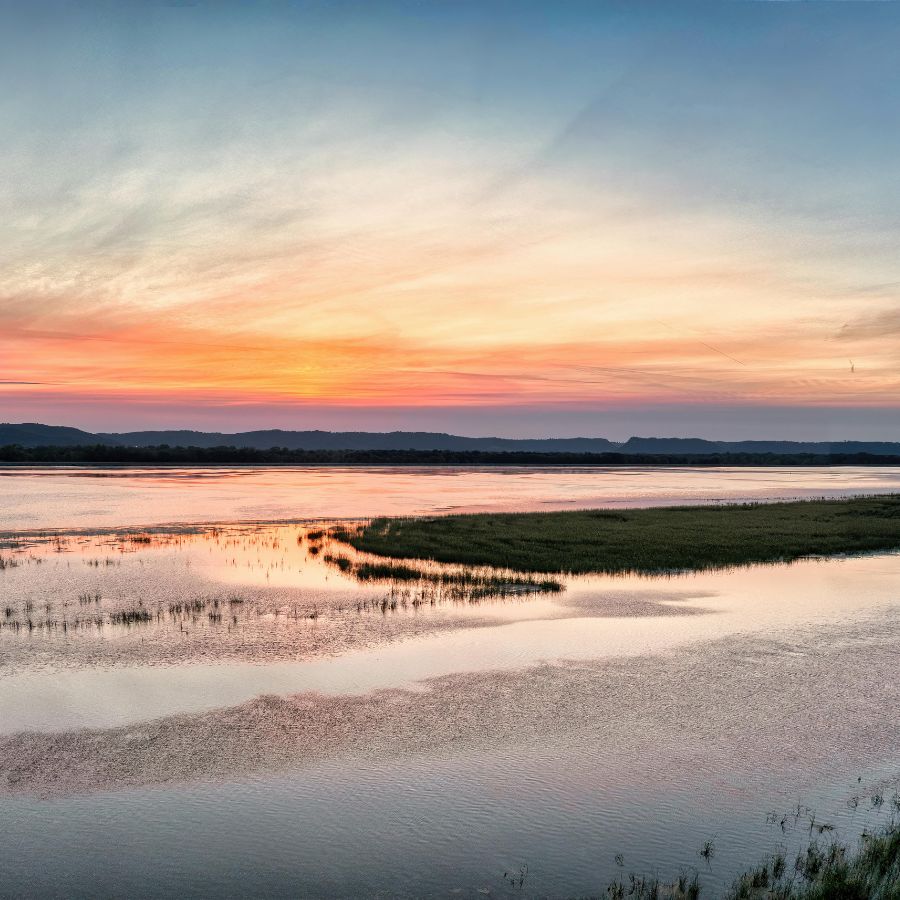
point(30, 434)
point(355, 440)
point(37, 435)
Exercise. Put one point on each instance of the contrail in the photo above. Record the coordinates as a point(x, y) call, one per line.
point(702, 343)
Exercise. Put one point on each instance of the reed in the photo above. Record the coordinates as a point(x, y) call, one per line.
point(137, 616)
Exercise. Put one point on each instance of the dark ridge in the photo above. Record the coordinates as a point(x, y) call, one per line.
point(36, 435)
point(31, 435)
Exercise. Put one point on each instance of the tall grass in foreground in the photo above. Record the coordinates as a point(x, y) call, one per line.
point(836, 872)
point(660, 539)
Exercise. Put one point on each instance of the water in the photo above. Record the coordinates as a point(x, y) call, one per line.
point(80, 497)
point(296, 733)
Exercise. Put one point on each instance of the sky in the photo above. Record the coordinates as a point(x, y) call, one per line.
point(510, 218)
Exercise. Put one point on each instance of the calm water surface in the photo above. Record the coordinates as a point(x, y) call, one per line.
point(225, 711)
point(32, 498)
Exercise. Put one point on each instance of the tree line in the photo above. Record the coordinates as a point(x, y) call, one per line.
point(101, 454)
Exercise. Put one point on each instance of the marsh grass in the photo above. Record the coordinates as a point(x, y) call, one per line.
point(640, 887)
point(656, 540)
point(180, 613)
point(834, 871)
point(870, 872)
point(472, 584)
point(136, 616)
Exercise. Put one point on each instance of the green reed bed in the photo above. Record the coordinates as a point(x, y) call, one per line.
point(642, 540)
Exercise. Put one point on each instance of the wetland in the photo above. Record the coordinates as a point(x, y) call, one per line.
point(254, 705)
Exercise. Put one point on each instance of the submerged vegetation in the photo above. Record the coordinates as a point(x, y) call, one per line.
point(660, 539)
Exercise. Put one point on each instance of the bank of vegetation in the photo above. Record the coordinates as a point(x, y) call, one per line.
point(642, 540)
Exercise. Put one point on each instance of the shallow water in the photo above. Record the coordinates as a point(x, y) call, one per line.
point(269, 725)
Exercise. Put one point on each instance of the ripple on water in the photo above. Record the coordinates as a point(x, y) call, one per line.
point(559, 767)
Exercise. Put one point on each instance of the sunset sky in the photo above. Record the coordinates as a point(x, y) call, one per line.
point(526, 219)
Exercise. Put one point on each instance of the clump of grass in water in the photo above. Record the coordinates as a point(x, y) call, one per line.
point(189, 607)
point(685, 887)
point(475, 584)
point(8, 562)
point(341, 562)
point(138, 616)
point(397, 572)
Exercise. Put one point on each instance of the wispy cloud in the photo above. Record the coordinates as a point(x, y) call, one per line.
point(308, 207)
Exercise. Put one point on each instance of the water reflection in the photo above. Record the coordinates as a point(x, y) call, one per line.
point(93, 497)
